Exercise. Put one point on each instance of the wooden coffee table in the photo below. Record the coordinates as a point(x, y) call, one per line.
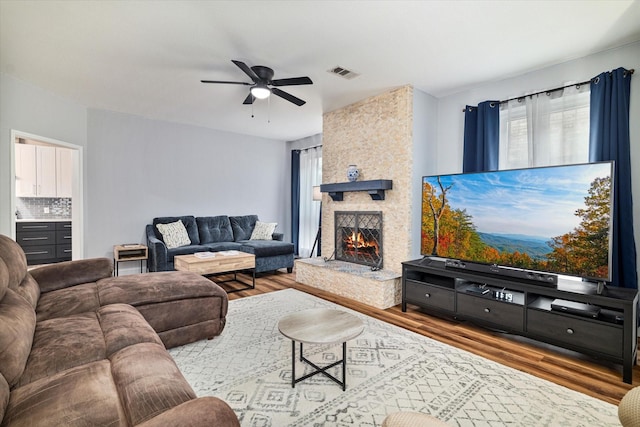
point(320, 326)
point(220, 262)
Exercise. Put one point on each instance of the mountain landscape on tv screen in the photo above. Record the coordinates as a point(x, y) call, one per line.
point(535, 247)
point(503, 218)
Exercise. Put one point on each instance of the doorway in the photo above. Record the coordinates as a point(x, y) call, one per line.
point(77, 199)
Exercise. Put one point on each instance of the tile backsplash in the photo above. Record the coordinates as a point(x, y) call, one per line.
point(34, 207)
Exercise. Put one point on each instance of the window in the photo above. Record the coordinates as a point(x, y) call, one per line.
point(546, 129)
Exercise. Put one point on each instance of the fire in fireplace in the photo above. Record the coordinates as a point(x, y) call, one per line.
point(359, 237)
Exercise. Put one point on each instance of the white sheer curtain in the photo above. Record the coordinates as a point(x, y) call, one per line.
point(547, 129)
point(310, 176)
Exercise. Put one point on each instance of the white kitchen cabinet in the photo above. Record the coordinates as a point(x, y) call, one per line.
point(64, 172)
point(35, 171)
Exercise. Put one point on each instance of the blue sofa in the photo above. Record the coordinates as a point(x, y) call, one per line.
point(219, 233)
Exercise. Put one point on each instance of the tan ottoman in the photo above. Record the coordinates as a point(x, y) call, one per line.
point(629, 408)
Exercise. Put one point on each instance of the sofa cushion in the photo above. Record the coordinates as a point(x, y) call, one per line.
point(69, 273)
point(83, 338)
point(64, 343)
point(263, 230)
point(148, 370)
point(4, 278)
point(29, 290)
point(267, 248)
point(223, 246)
point(68, 301)
point(184, 250)
point(4, 395)
point(15, 262)
point(243, 226)
point(174, 234)
point(17, 325)
point(213, 229)
point(189, 222)
point(153, 288)
point(82, 396)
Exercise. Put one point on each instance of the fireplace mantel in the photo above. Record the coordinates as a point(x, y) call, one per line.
point(375, 188)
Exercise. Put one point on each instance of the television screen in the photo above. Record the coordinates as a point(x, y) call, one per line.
point(553, 219)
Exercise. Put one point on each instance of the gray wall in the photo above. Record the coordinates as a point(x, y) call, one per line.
point(425, 132)
point(136, 168)
point(141, 168)
point(33, 110)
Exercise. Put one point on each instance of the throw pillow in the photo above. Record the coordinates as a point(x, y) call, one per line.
point(174, 234)
point(263, 230)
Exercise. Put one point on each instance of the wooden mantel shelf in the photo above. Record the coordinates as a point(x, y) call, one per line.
point(375, 188)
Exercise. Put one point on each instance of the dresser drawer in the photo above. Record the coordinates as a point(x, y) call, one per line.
point(63, 225)
point(39, 253)
point(63, 237)
point(427, 295)
point(63, 252)
point(38, 238)
point(35, 226)
point(586, 334)
point(506, 315)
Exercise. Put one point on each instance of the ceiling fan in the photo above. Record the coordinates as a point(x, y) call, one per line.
point(263, 85)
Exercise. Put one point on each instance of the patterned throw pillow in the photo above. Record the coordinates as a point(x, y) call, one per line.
point(174, 234)
point(263, 230)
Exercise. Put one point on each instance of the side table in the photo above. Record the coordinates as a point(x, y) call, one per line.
point(320, 326)
point(129, 252)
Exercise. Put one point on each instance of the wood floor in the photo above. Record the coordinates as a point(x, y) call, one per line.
point(599, 379)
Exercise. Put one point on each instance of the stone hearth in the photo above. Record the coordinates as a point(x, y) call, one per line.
point(380, 289)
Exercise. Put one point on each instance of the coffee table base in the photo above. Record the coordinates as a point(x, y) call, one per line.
point(251, 285)
point(318, 370)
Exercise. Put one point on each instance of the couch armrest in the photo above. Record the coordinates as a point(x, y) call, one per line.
point(201, 412)
point(71, 273)
point(157, 251)
point(278, 236)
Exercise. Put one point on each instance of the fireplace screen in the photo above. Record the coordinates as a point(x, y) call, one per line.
point(359, 237)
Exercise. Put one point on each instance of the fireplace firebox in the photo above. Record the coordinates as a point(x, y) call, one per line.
point(359, 237)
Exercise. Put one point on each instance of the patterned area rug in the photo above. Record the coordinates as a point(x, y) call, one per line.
point(389, 369)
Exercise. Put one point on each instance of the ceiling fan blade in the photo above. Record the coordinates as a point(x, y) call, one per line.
point(284, 95)
point(294, 81)
point(248, 71)
point(226, 82)
point(249, 99)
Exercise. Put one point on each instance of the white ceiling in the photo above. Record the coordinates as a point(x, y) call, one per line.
point(147, 57)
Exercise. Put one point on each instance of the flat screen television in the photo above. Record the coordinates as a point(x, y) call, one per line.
point(553, 219)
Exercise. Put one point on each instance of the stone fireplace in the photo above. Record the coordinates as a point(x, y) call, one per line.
point(375, 134)
point(359, 237)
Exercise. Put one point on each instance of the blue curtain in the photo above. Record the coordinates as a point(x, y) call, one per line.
point(295, 198)
point(609, 140)
point(481, 137)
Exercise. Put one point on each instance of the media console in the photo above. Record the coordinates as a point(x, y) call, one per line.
point(571, 314)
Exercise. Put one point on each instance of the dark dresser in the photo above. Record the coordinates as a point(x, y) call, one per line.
point(44, 242)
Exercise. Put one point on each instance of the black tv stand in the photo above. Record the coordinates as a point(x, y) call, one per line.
point(524, 307)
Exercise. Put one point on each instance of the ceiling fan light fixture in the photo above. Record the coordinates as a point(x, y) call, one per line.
point(260, 91)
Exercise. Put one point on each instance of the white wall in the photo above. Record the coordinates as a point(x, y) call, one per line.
point(425, 156)
point(33, 110)
point(139, 169)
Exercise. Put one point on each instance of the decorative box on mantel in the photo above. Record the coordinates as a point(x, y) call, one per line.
point(375, 188)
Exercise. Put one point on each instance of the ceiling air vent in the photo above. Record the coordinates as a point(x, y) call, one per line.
point(343, 72)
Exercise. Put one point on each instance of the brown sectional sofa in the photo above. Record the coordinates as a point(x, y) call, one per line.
point(81, 348)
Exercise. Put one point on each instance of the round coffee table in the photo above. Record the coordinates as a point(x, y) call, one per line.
point(320, 326)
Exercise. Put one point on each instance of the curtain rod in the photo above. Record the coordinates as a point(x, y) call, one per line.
point(631, 71)
point(309, 148)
